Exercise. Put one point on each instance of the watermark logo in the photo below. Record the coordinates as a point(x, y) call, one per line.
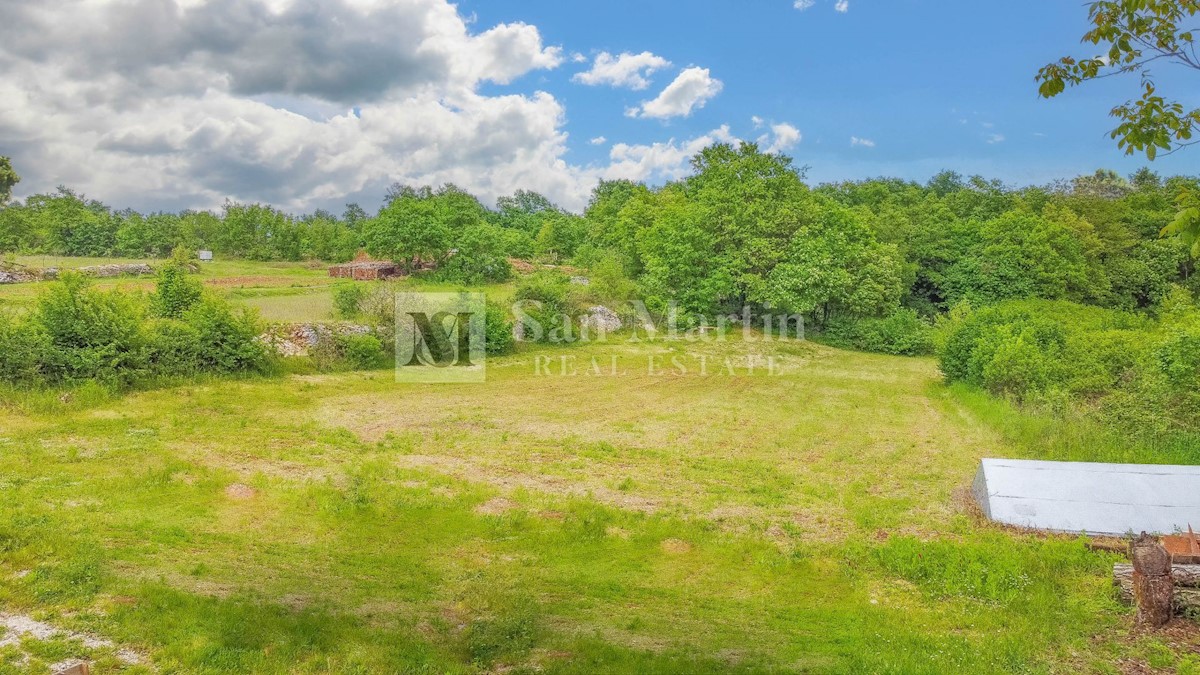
point(440, 337)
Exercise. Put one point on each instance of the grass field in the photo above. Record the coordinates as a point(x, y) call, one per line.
point(282, 292)
point(814, 520)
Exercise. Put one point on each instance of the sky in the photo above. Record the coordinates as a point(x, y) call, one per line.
point(170, 104)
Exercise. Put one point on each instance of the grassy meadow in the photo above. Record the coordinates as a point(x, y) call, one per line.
point(558, 518)
point(279, 291)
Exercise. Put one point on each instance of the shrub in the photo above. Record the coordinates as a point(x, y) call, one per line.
point(175, 347)
point(552, 289)
point(23, 350)
point(546, 300)
point(609, 283)
point(498, 330)
point(347, 298)
point(903, 332)
point(1108, 364)
point(377, 306)
point(175, 292)
point(361, 352)
point(226, 340)
point(91, 335)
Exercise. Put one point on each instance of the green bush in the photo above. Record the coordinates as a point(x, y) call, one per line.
point(546, 299)
point(498, 330)
point(903, 332)
point(361, 352)
point(23, 350)
point(175, 347)
point(175, 292)
point(226, 340)
point(91, 334)
point(1110, 364)
point(347, 298)
point(608, 281)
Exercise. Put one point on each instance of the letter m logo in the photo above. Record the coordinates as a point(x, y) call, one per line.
point(440, 337)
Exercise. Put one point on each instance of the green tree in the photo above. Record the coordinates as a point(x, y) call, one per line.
point(1133, 34)
point(73, 224)
point(833, 265)
point(525, 211)
point(478, 256)
point(420, 225)
point(8, 178)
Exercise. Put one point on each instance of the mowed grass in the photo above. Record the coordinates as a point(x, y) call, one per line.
point(557, 518)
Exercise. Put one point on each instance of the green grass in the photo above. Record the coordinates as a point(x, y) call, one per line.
point(292, 292)
point(813, 521)
point(808, 522)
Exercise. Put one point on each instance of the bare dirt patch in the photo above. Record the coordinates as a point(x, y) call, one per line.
point(676, 546)
point(240, 492)
point(497, 506)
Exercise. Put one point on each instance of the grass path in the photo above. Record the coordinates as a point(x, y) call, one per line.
point(812, 521)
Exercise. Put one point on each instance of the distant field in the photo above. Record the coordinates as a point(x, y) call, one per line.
point(288, 292)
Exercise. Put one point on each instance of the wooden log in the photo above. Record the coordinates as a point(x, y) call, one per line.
point(1153, 586)
point(1187, 585)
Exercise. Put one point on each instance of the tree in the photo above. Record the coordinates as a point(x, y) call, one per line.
point(419, 225)
point(524, 210)
point(73, 224)
point(1135, 34)
point(833, 265)
point(478, 256)
point(8, 178)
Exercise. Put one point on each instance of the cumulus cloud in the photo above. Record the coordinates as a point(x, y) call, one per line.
point(855, 141)
point(842, 6)
point(624, 70)
point(299, 103)
point(993, 139)
point(804, 4)
point(182, 103)
point(660, 161)
point(782, 137)
point(599, 140)
point(689, 91)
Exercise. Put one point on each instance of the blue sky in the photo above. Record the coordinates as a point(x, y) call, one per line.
point(314, 103)
point(933, 84)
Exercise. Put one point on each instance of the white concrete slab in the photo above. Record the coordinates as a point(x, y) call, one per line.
point(1089, 497)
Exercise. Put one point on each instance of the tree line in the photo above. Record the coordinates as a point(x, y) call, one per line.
point(744, 228)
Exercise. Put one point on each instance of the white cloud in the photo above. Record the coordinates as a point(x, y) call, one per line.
point(625, 70)
point(855, 141)
point(992, 139)
point(660, 161)
point(183, 103)
point(689, 91)
point(842, 6)
point(756, 121)
point(161, 104)
point(576, 57)
point(599, 140)
point(782, 137)
point(803, 4)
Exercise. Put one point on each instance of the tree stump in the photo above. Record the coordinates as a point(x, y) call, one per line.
point(1153, 585)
